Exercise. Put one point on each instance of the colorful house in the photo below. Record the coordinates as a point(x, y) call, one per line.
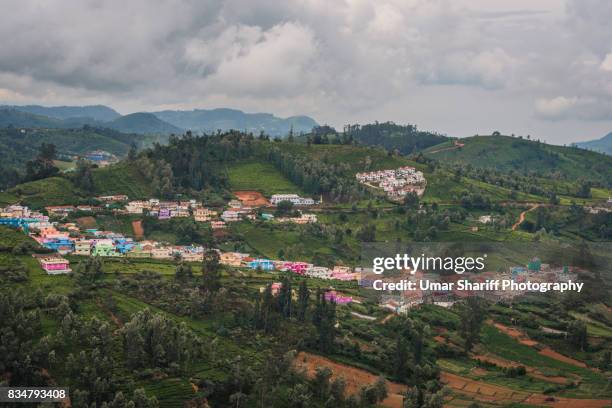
point(333, 296)
point(60, 245)
point(295, 267)
point(203, 214)
point(217, 224)
point(260, 264)
point(104, 247)
point(82, 247)
point(53, 264)
point(232, 258)
point(535, 265)
point(138, 251)
point(123, 245)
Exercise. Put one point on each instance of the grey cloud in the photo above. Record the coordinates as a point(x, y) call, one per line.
point(334, 60)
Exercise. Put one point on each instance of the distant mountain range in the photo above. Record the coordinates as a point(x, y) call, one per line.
point(96, 112)
point(603, 145)
point(225, 119)
point(163, 122)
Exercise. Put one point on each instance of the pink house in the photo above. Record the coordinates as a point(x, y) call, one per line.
point(333, 296)
point(295, 267)
point(53, 265)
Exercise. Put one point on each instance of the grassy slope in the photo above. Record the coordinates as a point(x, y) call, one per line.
point(50, 191)
point(116, 179)
point(121, 179)
point(259, 176)
point(508, 153)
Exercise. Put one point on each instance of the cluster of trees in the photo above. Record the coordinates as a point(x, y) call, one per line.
point(553, 220)
point(328, 135)
point(472, 314)
point(80, 348)
point(406, 139)
point(529, 181)
point(42, 166)
point(316, 176)
point(193, 162)
point(20, 356)
point(324, 320)
point(153, 340)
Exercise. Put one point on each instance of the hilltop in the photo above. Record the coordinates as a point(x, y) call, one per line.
point(95, 112)
point(506, 154)
point(404, 138)
point(16, 118)
point(143, 123)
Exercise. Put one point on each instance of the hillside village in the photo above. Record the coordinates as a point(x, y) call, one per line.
point(67, 238)
point(273, 231)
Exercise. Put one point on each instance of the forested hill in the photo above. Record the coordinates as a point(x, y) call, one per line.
point(95, 112)
point(17, 146)
point(211, 120)
point(404, 138)
point(143, 123)
point(505, 153)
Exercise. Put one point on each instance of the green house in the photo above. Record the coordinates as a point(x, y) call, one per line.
point(104, 249)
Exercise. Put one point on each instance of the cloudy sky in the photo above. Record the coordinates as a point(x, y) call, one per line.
point(538, 67)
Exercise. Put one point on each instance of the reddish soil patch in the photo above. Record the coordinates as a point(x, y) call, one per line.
point(495, 394)
point(548, 352)
point(138, 229)
point(355, 378)
point(509, 330)
point(252, 198)
point(86, 222)
point(479, 371)
point(478, 390)
point(560, 402)
point(387, 318)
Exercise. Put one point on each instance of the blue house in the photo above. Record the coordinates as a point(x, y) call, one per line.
point(61, 245)
point(262, 264)
point(123, 245)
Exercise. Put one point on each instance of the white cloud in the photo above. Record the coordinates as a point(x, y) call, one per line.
point(555, 108)
point(606, 64)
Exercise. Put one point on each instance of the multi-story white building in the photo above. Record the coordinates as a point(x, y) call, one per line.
point(293, 198)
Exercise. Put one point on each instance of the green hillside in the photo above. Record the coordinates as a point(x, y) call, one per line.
point(121, 178)
point(507, 153)
point(12, 117)
point(116, 179)
point(41, 193)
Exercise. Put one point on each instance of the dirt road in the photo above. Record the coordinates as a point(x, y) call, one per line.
point(522, 217)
